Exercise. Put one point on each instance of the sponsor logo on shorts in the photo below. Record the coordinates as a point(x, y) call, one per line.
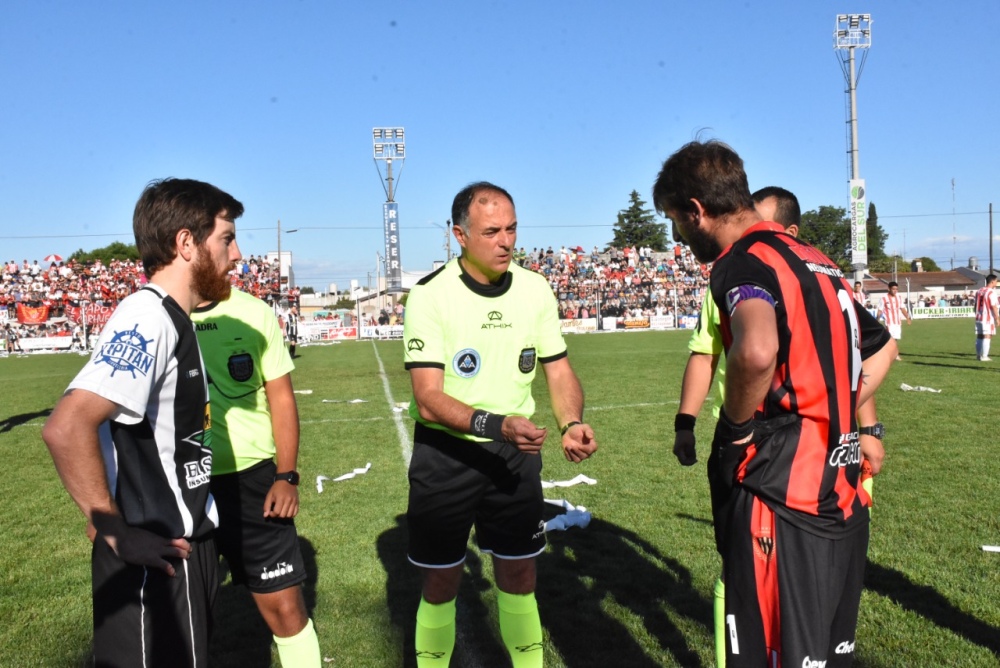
point(126, 351)
point(466, 363)
point(526, 362)
point(809, 663)
point(845, 647)
point(415, 344)
point(240, 367)
point(541, 530)
point(280, 569)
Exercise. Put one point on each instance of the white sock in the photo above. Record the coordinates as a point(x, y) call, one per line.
point(986, 347)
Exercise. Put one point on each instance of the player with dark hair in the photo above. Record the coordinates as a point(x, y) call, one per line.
point(987, 317)
point(801, 357)
point(474, 334)
point(131, 438)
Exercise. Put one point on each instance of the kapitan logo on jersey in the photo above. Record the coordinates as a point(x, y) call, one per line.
point(126, 351)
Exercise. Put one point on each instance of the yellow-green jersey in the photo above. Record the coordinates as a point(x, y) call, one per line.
point(707, 340)
point(488, 339)
point(243, 348)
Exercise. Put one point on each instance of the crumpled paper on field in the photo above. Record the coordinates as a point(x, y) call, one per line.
point(346, 476)
point(918, 388)
point(580, 479)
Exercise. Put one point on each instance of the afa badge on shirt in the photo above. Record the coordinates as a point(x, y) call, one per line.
point(466, 363)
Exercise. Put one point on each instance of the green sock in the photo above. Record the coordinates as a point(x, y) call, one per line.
point(720, 623)
point(302, 649)
point(435, 637)
point(521, 629)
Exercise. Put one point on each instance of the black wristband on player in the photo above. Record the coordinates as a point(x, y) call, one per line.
point(487, 425)
point(684, 422)
point(566, 427)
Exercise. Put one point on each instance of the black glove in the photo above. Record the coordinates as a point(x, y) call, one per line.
point(684, 439)
point(729, 452)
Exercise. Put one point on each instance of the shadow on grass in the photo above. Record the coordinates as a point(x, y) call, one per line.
point(963, 367)
point(707, 521)
point(17, 420)
point(932, 606)
point(240, 637)
point(579, 574)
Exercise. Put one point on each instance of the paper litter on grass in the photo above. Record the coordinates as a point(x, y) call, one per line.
point(302, 391)
point(918, 388)
point(991, 548)
point(346, 476)
point(580, 479)
point(575, 516)
point(344, 401)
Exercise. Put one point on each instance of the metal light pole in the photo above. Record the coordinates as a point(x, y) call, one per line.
point(853, 31)
point(388, 145)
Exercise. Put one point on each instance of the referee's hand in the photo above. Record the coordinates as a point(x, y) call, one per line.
point(523, 434)
point(282, 500)
point(578, 442)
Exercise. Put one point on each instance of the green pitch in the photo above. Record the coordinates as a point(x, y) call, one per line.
point(632, 589)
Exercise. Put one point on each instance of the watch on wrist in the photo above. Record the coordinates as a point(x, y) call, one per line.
point(291, 477)
point(877, 430)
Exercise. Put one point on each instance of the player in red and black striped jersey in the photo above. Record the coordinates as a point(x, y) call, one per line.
point(801, 357)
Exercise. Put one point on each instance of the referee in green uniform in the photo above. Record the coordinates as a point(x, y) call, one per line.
point(476, 330)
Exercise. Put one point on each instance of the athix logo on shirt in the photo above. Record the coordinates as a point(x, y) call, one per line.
point(495, 318)
point(466, 363)
point(126, 351)
point(415, 344)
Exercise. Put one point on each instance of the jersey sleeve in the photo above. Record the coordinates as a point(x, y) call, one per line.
point(275, 361)
point(739, 277)
point(423, 339)
point(707, 336)
point(551, 344)
point(131, 356)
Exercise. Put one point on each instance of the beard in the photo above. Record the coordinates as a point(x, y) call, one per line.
point(705, 248)
point(206, 281)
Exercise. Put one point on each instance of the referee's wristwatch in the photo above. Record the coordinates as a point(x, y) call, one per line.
point(877, 430)
point(292, 477)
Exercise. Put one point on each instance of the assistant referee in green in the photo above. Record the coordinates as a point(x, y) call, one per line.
point(475, 331)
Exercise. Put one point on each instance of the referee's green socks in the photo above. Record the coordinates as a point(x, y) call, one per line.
point(521, 629)
point(302, 649)
point(435, 636)
point(719, 608)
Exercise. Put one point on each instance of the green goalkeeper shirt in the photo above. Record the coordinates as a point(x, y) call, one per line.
point(242, 346)
point(488, 339)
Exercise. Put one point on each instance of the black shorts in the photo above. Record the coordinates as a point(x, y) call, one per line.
point(457, 484)
point(144, 617)
point(789, 591)
point(263, 553)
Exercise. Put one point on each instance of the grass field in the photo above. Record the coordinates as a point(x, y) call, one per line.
point(632, 589)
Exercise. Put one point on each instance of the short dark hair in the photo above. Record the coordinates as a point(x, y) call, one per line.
point(466, 196)
point(787, 213)
point(991, 277)
point(710, 172)
point(893, 284)
point(170, 205)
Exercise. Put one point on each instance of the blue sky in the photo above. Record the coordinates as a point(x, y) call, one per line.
point(570, 106)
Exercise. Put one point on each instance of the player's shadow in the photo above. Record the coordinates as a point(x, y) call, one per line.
point(240, 637)
point(578, 575)
point(17, 420)
point(963, 367)
point(931, 605)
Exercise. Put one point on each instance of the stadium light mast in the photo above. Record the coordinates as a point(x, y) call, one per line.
point(851, 32)
point(388, 145)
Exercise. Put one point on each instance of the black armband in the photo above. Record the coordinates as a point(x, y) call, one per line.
point(487, 425)
point(684, 422)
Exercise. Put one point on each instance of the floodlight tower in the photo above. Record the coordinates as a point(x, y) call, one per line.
point(853, 31)
point(389, 144)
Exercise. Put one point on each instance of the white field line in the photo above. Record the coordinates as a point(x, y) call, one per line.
point(404, 438)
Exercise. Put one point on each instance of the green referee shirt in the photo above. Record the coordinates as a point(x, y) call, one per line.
point(242, 346)
point(707, 340)
point(488, 339)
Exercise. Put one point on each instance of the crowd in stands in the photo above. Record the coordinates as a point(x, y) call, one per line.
point(627, 282)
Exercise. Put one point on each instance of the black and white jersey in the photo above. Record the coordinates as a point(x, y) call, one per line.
point(157, 446)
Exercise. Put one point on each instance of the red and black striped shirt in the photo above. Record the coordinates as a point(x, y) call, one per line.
point(807, 469)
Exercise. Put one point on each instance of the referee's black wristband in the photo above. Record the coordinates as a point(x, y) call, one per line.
point(684, 422)
point(487, 425)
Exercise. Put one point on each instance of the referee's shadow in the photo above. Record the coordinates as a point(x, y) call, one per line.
point(240, 637)
point(579, 575)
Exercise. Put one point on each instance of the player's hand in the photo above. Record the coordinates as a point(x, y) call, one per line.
point(91, 531)
point(578, 443)
point(684, 447)
point(282, 500)
point(138, 546)
point(872, 450)
point(523, 433)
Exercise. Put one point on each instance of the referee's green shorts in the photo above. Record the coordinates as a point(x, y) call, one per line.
point(457, 484)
